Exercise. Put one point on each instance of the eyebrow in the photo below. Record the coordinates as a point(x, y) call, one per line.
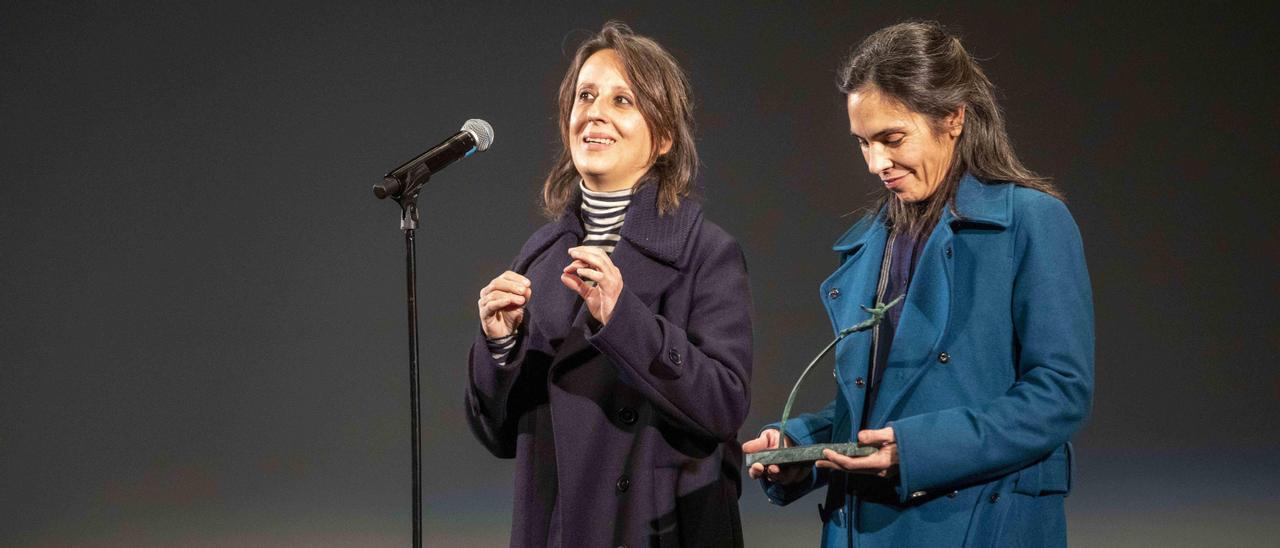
point(882, 133)
point(592, 85)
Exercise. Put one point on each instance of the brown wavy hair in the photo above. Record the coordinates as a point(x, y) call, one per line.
point(929, 71)
point(665, 100)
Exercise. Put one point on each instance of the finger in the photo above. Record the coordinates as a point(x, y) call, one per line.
point(512, 276)
point(590, 274)
point(573, 282)
point(852, 463)
point(499, 294)
point(767, 440)
point(876, 437)
point(509, 286)
point(496, 306)
point(502, 301)
point(576, 264)
point(756, 471)
point(592, 255)
point(759, 444)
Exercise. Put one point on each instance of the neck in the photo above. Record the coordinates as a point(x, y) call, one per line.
point(611, 184)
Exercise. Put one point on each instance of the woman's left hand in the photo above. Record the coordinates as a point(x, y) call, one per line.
point(592, 263)
point(883, 463)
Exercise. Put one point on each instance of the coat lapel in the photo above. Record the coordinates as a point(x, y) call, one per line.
point(927, 308)
point(547, 254)
point(851, 285)
point(652, 247)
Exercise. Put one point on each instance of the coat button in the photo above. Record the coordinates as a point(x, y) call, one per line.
point(995, 497)
point(918, 494)
point(859, 382)
point(953, 494)
point(628, 416)
point(944, 357)
point(624, 483)
point(675, 357)
point(834, 293)
point(948, 252)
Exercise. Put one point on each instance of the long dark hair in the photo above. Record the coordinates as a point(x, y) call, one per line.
point(665, 100)
point(926, 69)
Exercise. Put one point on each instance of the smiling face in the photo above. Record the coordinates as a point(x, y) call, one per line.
point(900, 145)
point(610, 141)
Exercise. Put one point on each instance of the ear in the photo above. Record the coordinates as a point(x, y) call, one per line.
point(954, 122)
point(664, 146)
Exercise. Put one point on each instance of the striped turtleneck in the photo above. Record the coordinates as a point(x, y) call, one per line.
point(602, 214)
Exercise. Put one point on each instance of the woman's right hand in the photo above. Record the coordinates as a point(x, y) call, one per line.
point(502, 304)
point(787, 473)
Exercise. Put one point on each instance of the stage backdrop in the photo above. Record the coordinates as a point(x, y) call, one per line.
point(203, 331)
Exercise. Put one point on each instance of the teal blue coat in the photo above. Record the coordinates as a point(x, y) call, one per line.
point(989, 374)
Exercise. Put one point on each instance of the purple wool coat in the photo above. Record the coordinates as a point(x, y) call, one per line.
point(625, 434)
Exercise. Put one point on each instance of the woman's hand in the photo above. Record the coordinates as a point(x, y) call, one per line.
point(883, 463)
point(502, 303)
point(788, 473)
point(592, 263)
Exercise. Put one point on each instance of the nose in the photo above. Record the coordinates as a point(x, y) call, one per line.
point(877, 160)
point(594, 112)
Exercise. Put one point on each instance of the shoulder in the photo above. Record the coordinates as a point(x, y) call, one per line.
point(1029, 201)
point(1034, 210)
point(1043, 222)
point(712, 243)
point(713, 235)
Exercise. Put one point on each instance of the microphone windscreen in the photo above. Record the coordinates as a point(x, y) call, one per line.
point(482, 131)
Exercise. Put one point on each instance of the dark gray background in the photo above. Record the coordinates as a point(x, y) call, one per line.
point(202, 339)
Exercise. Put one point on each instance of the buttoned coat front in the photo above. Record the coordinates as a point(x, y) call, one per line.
point(989, 374)
point(625, 434)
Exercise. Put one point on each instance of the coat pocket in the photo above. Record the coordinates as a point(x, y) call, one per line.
point(1050, 476)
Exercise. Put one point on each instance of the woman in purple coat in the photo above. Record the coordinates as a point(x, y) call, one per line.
point(614, 357)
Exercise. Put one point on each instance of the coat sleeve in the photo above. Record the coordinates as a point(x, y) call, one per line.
point(489, 389)
point(699, 373)
point(1052, 311)
point(805, 429)
point(496, 393)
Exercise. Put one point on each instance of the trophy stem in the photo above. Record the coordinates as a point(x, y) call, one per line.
point(877, 314)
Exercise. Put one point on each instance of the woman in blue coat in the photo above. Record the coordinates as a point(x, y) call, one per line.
point(614, 357)
point(972, 387)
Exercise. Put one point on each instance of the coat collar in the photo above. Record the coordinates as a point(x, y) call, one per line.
point(660, 237)
point(976, 201)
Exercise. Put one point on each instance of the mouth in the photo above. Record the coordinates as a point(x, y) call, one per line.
point(597, 141)
point(892, 182)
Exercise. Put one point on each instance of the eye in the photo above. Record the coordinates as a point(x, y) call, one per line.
point(862, 143)
point(585, 96)
point(894, 139)
point(622, 100)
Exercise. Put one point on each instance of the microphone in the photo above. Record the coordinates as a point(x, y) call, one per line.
point(476, 136)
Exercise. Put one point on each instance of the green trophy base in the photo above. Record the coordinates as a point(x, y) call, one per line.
point(806, 453)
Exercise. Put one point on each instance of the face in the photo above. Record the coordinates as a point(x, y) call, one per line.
point(610, 141)
point(900, 146)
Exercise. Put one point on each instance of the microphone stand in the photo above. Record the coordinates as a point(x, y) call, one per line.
point(404, 190)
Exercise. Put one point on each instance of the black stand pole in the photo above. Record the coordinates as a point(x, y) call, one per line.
point(405, 191)
point(409, 223)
